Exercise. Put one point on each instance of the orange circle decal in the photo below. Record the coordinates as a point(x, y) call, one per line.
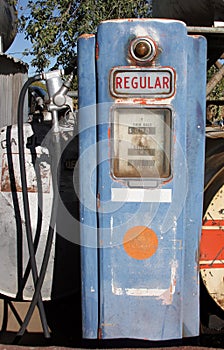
point(140, 242)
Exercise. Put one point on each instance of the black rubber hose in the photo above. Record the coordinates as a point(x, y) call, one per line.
point(26, 201)
point(56, 154)
point(15, 313)
point(39, 219)
point(17, 211)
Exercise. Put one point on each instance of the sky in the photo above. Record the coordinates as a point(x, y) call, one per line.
point(18, 47)
point(20, 43)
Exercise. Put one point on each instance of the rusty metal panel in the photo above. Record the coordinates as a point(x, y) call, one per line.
point(13, 233)
point(32, 186)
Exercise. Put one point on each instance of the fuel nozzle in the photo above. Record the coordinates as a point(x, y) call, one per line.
point(57, 88)
point(59, 99)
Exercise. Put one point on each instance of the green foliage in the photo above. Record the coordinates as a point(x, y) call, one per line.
point(215, 112)
point(217, 93)
point(53, 26)
point(40, 84)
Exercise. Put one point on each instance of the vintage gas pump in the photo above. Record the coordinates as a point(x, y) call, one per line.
point(142, 118)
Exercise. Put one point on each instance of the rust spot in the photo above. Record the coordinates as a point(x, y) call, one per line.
point(98, 200)
point(31, 176)
point(86, 36)
point(167, 296)
point(100, 333)
point(141, 101)
point(219, 301)
point(167, 181)
point(97, 51)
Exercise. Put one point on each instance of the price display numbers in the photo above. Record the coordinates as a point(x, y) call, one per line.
point(141, 143)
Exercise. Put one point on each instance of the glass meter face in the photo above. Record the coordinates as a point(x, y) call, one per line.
point(141, 142)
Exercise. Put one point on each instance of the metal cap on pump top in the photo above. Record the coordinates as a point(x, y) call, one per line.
point(143, 49)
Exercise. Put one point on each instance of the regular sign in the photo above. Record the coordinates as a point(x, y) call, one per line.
point(142, 82)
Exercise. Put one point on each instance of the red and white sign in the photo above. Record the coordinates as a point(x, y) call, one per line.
point(142, 82)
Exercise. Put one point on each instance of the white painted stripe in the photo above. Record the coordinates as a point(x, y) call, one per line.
point(210, 262)
point(213, 227)
point(143, 292)
point(141, 195)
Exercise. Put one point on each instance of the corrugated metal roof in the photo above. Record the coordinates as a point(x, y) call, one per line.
point(14, 60)
point(11, 65)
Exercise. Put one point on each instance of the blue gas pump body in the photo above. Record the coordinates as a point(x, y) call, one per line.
point(141, 166)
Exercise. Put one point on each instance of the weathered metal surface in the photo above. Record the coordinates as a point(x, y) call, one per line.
point(88, 186)
point(212, 248)
point(13, 74)
point(13, 234)
point(146, 246)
